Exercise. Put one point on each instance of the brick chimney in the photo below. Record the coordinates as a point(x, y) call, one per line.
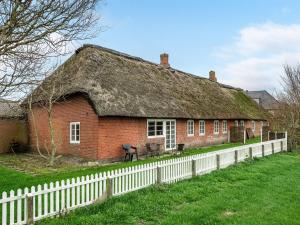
point(212, 76)
point(164, 60)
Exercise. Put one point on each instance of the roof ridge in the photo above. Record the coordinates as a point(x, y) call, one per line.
point(122, 54)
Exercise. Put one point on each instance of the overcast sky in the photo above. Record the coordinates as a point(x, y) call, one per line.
point(245, 42)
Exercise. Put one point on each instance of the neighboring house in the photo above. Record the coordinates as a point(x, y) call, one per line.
point(13, 127)
point(264, 99)
point(111, 98)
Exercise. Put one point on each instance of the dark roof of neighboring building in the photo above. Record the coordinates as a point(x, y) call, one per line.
point(10, 109)
point(122, 85)
point(267, 101)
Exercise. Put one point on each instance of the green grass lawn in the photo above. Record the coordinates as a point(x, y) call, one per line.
point(263, 191)
point(11, 179)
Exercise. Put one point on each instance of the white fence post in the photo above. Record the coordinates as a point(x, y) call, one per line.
point(262, 150)
point(109, 186)
point(250, 153)
point(261, 134)
point(236, 155)
point(218, 160)
point(30, 210)
point(4, 208)
point(194, 169)
point(281, 146)
point(159, 175)
point(244, 136)
point(286, 137)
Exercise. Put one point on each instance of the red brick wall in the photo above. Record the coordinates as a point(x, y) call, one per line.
point(12, 129)
point(115, 131)
point(76, 109)
point(196, 140)
point(258, 125)
point(102, 137)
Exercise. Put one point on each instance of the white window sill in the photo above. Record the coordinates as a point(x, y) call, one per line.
point(216, 133)
point(190, 135)
point(75, 143)
point(202, 135)
point(160, 136)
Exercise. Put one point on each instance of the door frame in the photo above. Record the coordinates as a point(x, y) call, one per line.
point(165, 133)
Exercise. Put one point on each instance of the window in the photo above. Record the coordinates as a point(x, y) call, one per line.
point(190, 127)
point(216, 127)
point(75, 132)
point(253, 126)
point(201, 127)
point(236, 123)
point(155, 128)
point(224, 126)
point(242, 123)
point(257, 100)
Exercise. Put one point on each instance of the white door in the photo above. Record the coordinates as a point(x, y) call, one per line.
point(170, 140)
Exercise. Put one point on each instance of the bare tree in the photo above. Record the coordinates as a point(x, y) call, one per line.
point(287, 116)
point(34, 35)
point(44, 98)
point(34, 32)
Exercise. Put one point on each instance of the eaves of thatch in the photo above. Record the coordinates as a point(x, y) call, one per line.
point(10, 110)
point(118, 84)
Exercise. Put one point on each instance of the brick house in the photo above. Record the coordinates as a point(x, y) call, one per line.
point(13, 126)
point(111, 98)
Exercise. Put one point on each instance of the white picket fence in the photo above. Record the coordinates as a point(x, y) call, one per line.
point(28, 205)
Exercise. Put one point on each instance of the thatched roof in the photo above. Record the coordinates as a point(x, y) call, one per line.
point(122, 85)
point(10, 109)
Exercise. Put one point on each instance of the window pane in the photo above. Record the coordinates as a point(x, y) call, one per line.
point(159, 128)
point(190, 125)
point(78, 135)
point(151, 133)
point(151, 128)
point(202, 127)
point(159, 123)
point(216, 126)
point(224, 126)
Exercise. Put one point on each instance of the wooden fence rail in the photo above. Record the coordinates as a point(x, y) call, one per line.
point(29, 205)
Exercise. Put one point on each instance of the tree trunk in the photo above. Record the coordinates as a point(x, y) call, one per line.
point(52, 141)
point(35, 130)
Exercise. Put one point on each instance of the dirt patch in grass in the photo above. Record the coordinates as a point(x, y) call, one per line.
point(35, 165)
point(228, 213)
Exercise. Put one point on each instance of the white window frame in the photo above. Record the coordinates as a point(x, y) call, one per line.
point(216, 131)
point(257, 100)
point(74, 141)
point(236, 123)
point(253, 126)
point(188, 124)
point(156, 120)
point(201, 133)
point(225, 125)
point(242, 122)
